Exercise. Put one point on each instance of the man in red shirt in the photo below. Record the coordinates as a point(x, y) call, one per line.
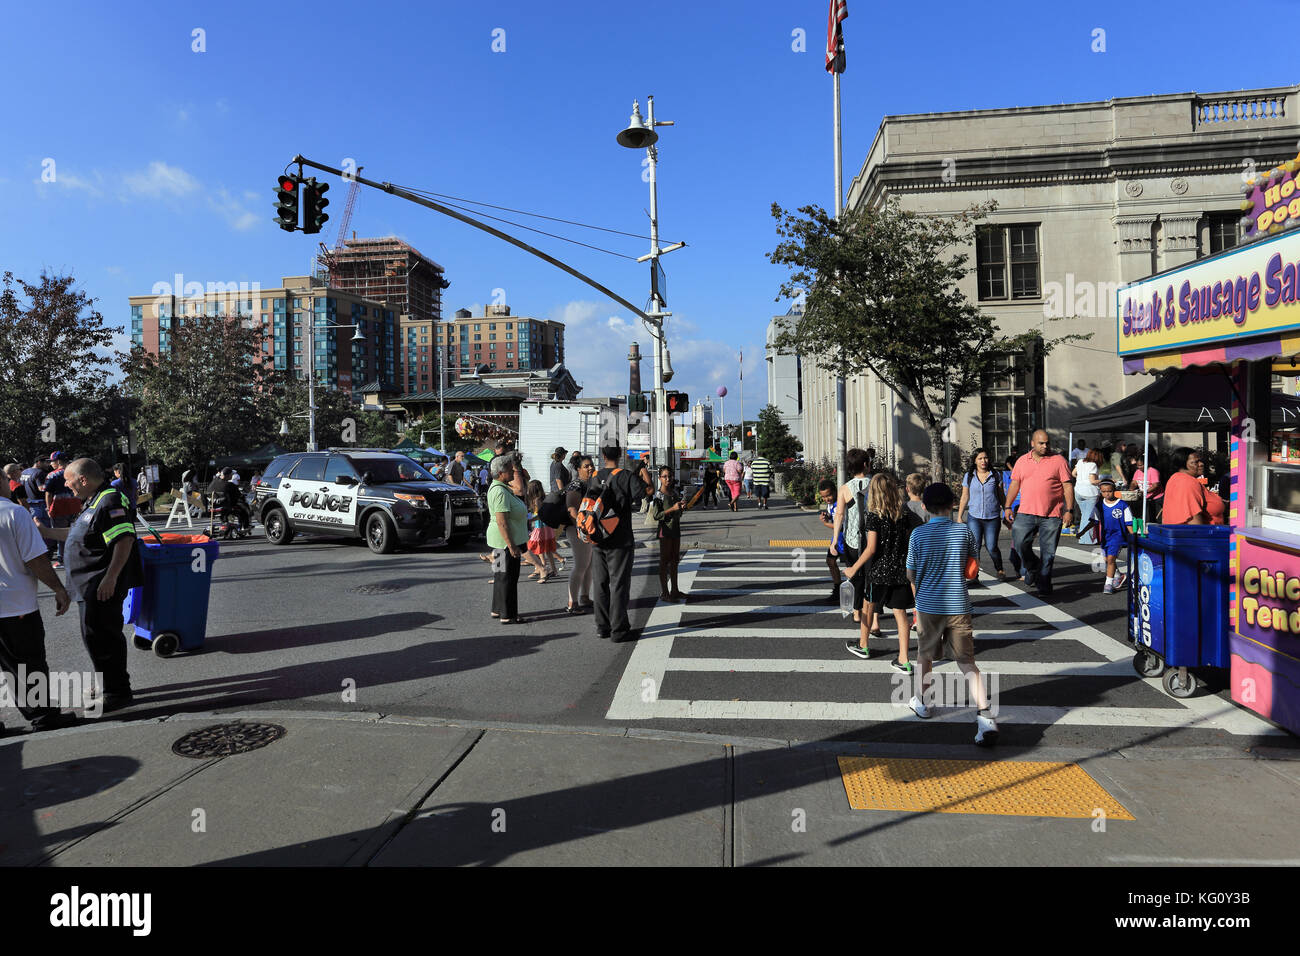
point(1043, 482)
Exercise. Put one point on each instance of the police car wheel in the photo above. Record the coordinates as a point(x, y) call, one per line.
point(381, 536)
point(277, 527)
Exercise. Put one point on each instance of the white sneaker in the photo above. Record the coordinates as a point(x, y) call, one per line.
point(919, 708)
point(986, 731)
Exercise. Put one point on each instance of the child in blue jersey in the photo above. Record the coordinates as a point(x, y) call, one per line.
point(1114, 523)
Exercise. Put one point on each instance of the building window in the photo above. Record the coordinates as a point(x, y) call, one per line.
point(1007, 263)
point(1012, 405)
point(476, 328)
point(1224, 231)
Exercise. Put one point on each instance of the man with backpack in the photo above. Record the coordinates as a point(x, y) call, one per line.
point(612, 493)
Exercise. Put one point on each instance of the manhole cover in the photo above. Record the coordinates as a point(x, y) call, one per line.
point(377, 588)
point(222, 740)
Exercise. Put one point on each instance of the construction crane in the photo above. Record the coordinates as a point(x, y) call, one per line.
point(325, 259)
point(353, 189)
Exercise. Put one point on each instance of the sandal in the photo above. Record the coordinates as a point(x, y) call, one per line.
point(877, 633)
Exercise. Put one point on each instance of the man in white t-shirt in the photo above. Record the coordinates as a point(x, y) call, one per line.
point(24, 558)
point(1078, 452)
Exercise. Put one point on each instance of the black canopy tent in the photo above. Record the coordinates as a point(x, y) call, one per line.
point(1181, 400)
point(258, 457)
point(1196, 399)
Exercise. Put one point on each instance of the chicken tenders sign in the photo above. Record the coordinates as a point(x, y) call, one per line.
point(1251, 290)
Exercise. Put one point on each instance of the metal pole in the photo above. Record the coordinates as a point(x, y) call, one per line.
point(311, 375)
point(1146, 444)
point(841, 432)
point(742, 401)
point(442, 412)
point(660, 412)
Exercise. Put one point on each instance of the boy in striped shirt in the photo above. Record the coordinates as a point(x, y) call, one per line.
point(937, 553)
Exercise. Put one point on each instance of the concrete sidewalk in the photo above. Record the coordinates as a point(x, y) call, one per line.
point(366, 790)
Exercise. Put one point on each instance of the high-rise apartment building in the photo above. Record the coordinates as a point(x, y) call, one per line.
point(392, 271)
point(286, 314)
point(499, 340)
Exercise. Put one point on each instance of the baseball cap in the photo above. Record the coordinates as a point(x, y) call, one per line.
point(560, 450)
point(58, 456)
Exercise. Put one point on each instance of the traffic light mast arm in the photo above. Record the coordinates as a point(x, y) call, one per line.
point(404, 194)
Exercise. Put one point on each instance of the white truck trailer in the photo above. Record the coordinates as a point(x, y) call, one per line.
point(577, 426)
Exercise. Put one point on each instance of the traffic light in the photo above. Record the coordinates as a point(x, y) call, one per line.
point(286, 205)
point(637, 403)
point(313, 205)
point(678, 402)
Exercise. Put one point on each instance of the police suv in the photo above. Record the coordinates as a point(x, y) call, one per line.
point(385, 498)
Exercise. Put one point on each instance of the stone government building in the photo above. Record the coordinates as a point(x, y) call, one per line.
point(1090, 196)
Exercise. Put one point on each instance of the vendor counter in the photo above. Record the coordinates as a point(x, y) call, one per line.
point(1264, 641)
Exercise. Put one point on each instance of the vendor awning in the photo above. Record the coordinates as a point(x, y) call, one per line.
point(1283, 346)
point(1182, 400)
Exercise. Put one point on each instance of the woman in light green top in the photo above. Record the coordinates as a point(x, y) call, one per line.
point(507, 535)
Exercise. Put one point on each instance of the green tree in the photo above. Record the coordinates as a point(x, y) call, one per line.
point(775, 443)
point(204, 395)
point(55, 353)
point(883, 296)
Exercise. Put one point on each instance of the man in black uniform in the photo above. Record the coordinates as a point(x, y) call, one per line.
point(611, 573)
point(103, 564)
point(232, 496)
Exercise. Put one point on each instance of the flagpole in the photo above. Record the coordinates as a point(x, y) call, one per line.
point(841, 431)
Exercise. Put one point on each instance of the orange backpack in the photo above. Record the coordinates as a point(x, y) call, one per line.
point(597, 521)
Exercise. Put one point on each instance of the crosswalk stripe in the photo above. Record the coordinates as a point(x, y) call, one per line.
point(636, 697)
point(848, 666)
point(837, 633)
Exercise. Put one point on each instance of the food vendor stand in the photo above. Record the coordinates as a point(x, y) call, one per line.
point(1238, 311)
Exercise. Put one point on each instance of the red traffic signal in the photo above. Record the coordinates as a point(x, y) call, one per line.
point(678, 402)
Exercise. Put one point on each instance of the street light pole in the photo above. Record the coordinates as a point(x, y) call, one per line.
point(640, 134)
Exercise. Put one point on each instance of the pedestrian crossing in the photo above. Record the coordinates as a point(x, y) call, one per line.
point(759, 640)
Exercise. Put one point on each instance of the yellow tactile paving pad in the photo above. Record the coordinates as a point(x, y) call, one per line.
point(798, 543)
point(1003, 787)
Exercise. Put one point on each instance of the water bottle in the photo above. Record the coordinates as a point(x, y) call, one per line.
point(846, 598)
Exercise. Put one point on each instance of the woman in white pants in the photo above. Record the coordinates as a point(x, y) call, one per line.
point(580, 577)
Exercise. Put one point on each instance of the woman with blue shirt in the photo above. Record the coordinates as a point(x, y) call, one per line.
point(982, 497)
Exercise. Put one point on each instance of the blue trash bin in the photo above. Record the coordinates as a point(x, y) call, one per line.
point(1178, 598)
point(170, 611)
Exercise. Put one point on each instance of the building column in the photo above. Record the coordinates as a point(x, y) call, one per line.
point(1178, 238)
point(1134, 241)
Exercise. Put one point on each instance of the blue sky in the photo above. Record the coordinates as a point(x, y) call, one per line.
point(165, 158)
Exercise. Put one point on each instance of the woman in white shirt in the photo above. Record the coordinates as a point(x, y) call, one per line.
point(1086, 492)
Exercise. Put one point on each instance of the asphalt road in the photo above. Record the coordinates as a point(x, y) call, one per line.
point(325, 625)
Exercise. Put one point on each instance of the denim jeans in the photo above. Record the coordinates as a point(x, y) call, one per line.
point(1087, 510)
point(1038, 568)
point(986, 531)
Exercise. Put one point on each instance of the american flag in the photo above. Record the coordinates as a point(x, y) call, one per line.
point(835, 36)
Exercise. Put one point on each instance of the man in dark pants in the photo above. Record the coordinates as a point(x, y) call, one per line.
point(103, 564)
point(25, 559)
point(611, 571)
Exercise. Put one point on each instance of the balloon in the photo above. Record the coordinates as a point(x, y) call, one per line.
point(722, 391)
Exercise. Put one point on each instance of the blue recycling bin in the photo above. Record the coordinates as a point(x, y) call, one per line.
point(1178, 597)
point(170, 611)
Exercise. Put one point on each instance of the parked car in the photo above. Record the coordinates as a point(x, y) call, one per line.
point(386, 499)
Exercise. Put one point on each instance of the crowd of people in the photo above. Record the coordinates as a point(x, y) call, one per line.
point(902, 553)
point(593, 509)
point(70, 515)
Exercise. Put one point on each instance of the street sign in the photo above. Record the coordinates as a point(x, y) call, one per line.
point(725, 445)
point(659, 282)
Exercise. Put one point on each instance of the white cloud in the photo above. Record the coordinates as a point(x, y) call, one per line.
point(159, 180)
point(66, 180)
point(596, 350)
point(236, 214)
